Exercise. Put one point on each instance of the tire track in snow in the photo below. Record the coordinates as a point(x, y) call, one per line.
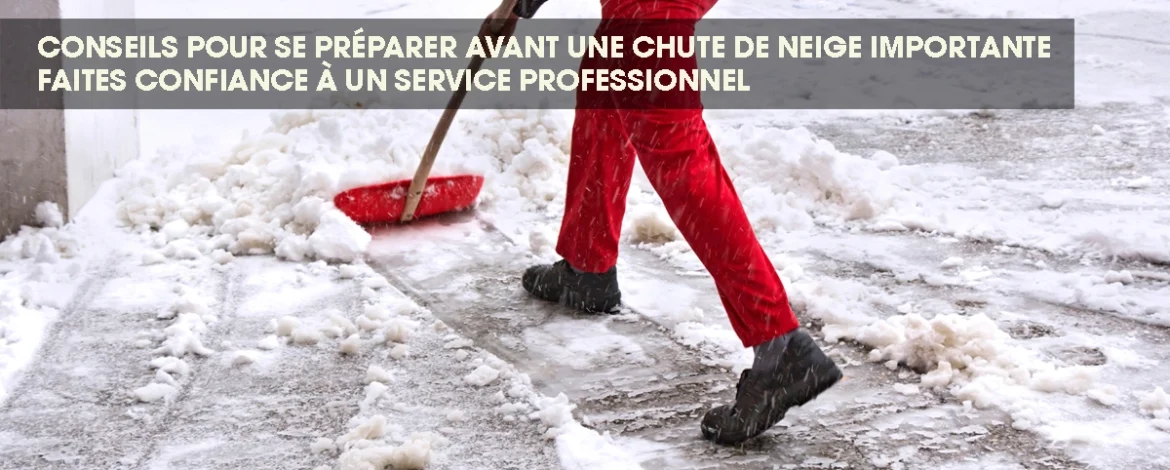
point(262, 417)
point(195, 371)
point(71, 409)
point(75, 409)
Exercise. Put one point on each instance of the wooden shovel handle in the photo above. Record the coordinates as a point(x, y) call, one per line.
point(428, 160)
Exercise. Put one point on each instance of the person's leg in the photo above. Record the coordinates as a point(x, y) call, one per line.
point(601, 165)
point(675, 148)
point(683, 164)
point(680, 158)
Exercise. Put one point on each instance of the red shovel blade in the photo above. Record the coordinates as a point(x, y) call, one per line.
point(384, 203)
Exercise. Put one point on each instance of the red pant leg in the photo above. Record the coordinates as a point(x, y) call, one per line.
point(601, 164)
point(682, 162)
point(601, 160)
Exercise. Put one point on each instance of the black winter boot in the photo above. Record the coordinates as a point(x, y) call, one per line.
point(789, 371)
point(559, 282)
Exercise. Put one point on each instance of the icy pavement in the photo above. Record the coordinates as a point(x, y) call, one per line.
point(1019, 287)
point(195, 362)
point(639, 378)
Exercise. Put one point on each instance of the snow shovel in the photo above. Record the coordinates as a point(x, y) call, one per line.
point(403, 201)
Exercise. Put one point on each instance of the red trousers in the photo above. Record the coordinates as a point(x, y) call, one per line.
point(667, 134)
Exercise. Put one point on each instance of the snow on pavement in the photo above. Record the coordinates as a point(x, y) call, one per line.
point(1060, 335)
point(1096, 313)
point(42, 268)
point(635, 377)
point(186, 361)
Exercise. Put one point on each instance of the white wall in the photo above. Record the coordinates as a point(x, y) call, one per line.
point(97, 142)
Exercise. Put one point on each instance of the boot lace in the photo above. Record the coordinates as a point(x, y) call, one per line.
point(739, 388)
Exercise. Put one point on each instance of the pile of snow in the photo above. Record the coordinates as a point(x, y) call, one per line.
point(385, 320)
point(191, 313)
point(579, 448)
point(363, 448)
point(528, 157)
point(156, 391)
point(967, 355)
point(790, 179)
point(652, 225)
point(272, 193)
point(31, 290)
point(48, 214)
point(1155, 403)
point(482, 376)
point(48, 243)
